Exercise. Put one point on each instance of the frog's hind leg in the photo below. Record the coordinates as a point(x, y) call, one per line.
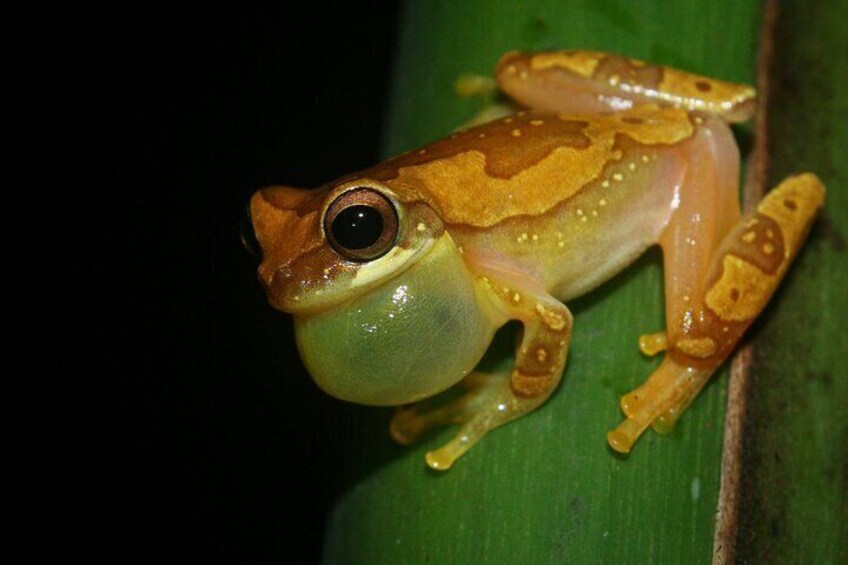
point(588, 82)
point(720, 271)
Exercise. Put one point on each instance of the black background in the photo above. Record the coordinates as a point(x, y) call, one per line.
point(162, 412)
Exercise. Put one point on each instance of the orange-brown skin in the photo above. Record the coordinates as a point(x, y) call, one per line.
point(609, 157)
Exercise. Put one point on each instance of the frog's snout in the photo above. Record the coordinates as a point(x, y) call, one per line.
point(285, 225)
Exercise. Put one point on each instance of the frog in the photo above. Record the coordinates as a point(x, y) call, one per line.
point(398, 276)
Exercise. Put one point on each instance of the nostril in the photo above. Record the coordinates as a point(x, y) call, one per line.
point(248, 236)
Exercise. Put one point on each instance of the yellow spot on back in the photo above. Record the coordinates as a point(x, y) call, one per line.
point(748, 237)
point(768, 248)
point(516, 132)
point(537, 122)
point(602, 202)
point(618, 176)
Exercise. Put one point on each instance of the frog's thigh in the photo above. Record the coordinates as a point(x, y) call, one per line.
point(538, 367)
point(708, 209)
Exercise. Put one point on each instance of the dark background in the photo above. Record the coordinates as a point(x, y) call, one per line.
point(163, 412)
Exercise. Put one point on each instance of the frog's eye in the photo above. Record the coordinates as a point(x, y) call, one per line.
point(361, 224)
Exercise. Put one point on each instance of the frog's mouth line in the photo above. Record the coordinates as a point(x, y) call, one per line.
point(367, 277)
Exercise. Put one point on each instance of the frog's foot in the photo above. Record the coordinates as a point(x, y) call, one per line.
point(651, 344)
point(443, 458)
point(489, 113)
point(469, 85)
point(411, 422)
point(658, 402)
point(507, 407)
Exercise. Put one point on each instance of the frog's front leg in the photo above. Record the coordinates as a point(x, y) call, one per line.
point(410, 422)
point(720, 271)
point(540, 359)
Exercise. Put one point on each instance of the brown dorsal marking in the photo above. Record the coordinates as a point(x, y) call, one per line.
point(537, 135)
point(760, 243)
point(614, 69)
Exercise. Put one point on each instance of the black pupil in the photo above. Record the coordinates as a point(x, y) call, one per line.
point(357, 227)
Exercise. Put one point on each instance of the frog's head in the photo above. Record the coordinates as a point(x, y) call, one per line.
point(386, 312)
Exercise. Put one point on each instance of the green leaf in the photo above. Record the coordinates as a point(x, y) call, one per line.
point(546, 488)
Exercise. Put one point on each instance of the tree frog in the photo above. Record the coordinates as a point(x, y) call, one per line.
point(399, 275)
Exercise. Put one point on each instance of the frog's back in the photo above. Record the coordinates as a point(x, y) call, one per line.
point(525, 164)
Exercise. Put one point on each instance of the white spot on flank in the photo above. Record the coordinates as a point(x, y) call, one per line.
point(421, 226)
